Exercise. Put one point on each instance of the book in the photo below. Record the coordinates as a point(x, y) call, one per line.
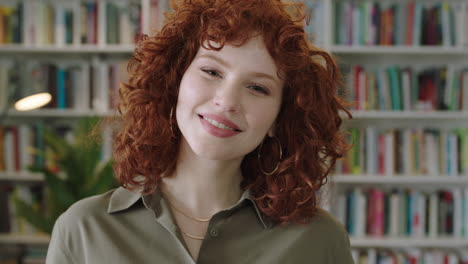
point(4, 210)
point(395, 88)
point(59, 25)
point(100, 98)
point(61, 88)
point(404, 213)
point(24, 146)
point(406, 88)
point(433, 215)
point(410, 23)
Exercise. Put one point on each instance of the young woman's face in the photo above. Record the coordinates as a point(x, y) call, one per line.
point(228, 100)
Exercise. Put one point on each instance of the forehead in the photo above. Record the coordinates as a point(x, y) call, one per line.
point(252, 55)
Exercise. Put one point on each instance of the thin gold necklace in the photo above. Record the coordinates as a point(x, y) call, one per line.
point(186, 215)
point(190, 217)
point(192, 236)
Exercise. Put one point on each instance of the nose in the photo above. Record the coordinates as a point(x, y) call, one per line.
point(227, 97)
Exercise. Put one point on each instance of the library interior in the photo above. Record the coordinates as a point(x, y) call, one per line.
point(401, 191)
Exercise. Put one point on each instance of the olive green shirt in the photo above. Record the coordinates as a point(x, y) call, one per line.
point(121, 226)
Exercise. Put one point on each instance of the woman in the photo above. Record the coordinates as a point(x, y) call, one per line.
point(231, 126)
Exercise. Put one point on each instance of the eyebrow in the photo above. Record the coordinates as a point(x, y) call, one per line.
point(215, 58)
point(227, 65)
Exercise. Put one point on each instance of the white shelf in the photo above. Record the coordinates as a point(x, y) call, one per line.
point(91, 49)
point(408, 119)
point(446, 243)
point(361, 115)
point(58, 113)
point(41, 239)
point(21, 177)
point(419, 180)
point(412, 115)
point(392, 50)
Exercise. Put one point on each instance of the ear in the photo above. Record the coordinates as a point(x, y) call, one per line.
point(271, 132)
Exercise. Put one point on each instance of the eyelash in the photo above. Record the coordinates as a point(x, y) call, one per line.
point(262, 90)
point(256, 87)
point(209, 72)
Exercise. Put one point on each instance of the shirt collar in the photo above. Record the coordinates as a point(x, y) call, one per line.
point(122, 199)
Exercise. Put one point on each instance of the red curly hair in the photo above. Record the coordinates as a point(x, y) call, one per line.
point(307, 126)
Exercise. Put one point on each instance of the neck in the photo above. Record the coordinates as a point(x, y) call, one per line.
point(203, 187)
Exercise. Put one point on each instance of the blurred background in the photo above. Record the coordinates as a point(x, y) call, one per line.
point(401, 192)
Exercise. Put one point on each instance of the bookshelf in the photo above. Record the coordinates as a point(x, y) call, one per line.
point(399, 50)
point(24, 239)
point(374, 36)
point(21, 177)
point(78, 49)
point(59, 113)
point(401, 180)
point(441, 243)
point(406, 115)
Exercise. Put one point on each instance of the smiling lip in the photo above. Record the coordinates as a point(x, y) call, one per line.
point(216, 131)
point(221, 120)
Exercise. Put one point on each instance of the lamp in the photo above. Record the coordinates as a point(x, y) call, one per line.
point(32, 93)
point(33, 101)
point(25, 95)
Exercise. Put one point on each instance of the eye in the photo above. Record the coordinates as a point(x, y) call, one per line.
point(212, 72)
point(259, 89)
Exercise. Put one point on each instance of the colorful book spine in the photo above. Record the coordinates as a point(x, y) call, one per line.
point(409, 88)
point(61, 89)
point(431, 152)
point(411, 23)
point(397, 213)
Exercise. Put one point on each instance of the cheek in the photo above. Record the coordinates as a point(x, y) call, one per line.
point(192, 91)
point(262, 117)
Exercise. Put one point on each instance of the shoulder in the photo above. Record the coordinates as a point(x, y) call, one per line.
point(67, 235)
point(324, 227)
point(100, 206)
point(92, 206)
point(323, 238)
point(327, 222)
point(323, 232)
point(330, 235)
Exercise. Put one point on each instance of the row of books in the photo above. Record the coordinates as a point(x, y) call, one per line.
point(409, 151)
point(314, 22)
point(123, 22)
point(405, 88)
point(75, 22)
point(10, 23)
point(410, 256)
point(414, 23)
point(23, 146)
point(31, 254)
point(403, 213)
point(20, 147)
point(77, 85)
point(11, 222)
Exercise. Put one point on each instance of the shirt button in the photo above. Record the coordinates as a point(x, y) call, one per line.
point(214, 232)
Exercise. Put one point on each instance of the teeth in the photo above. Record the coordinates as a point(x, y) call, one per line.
point(217, 124)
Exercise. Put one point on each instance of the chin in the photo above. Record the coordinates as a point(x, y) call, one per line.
point(206, 146)
point(213, 153)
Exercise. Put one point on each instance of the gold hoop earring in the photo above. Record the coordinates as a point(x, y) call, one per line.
point(277, 164)
point(170, 121)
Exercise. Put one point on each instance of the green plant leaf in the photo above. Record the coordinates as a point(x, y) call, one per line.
point(88, 157)
point(33, 216)
point(103, 181)
point(81, 173)
point(59, 145)
point(58, 188)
